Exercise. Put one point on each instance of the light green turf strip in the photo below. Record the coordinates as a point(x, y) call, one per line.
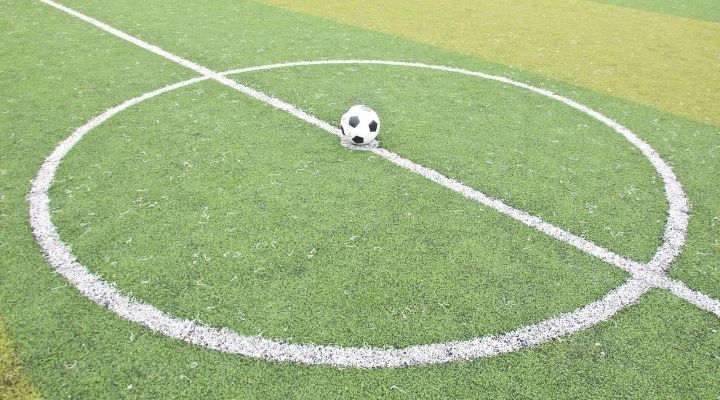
point(219, 208)
point(708, 10)
point(73, 348)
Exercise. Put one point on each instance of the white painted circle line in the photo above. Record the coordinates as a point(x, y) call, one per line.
point(61, 259)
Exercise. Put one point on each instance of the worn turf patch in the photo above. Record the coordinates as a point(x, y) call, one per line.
point(14, 382)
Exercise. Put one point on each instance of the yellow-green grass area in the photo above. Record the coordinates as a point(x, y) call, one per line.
point(14, 383)
point(664, 61)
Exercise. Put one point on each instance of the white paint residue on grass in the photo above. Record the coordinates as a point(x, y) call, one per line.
point(644, 276)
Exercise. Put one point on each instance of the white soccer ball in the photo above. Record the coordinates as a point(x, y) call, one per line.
point(360, 124)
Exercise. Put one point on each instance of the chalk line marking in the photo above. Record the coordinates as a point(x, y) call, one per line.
point(62, 260)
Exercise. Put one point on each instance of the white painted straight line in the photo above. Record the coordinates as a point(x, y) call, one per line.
point(532, 221)
point(138, 42)
point(678, 218)
point(695, 297)
point(277, 103)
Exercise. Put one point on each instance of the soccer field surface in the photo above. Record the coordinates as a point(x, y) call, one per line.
point(179, 218)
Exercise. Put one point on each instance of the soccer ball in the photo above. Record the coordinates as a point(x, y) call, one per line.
point(360, 124)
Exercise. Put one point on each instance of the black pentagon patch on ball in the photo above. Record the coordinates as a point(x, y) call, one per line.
point(354, 121)
point(373, 126)
point(358, 139)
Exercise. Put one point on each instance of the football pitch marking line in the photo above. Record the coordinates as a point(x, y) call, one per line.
point(644, 277)
point(60, 257)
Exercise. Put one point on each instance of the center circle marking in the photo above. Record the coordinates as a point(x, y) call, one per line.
point(62, 260)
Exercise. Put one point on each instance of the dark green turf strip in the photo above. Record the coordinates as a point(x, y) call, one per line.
point(73, 348)
point(707, 10)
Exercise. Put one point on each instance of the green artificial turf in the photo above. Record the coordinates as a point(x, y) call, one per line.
point(222, 44)
point(248, 218)
point(531, 151)
point(58, 72)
